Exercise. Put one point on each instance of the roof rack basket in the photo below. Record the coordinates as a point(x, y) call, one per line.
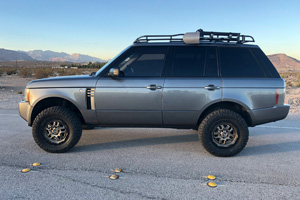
point(165, 38)
point(204, 36)
point(210, 36)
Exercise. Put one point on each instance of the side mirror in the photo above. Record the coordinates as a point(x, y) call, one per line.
point(114, 72)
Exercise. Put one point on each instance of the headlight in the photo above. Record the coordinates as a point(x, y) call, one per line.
point(26, 93)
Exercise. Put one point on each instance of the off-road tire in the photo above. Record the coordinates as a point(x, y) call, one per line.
point(65, 116)
point(208, 126)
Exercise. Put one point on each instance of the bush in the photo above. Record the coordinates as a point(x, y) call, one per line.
point(43, 73)
point(289, 84)
point(298, 81)
point(11, 71)
point(283, 75)
point(25, 72)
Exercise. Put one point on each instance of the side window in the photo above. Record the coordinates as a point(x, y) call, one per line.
point(211, 68)
point(239, 62)
point(188, 62)
point(142, 61)
point(265, 62)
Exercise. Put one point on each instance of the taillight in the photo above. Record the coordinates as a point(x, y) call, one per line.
point(277, 96)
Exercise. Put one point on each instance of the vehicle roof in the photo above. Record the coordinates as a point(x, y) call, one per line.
point(223, 44)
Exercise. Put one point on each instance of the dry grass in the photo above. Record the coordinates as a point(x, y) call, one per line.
point(8, 70)
point(298, 81)
point(292, 79)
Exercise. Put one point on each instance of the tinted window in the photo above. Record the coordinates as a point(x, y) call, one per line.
point(265, 62)
point(188, 61)
point(211, 68)
point(142, 61)
point(239, 62)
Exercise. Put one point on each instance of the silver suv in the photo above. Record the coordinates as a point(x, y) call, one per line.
point(208, 81)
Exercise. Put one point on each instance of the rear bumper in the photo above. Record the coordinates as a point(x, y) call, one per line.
point(24, 110)
point(266, 115)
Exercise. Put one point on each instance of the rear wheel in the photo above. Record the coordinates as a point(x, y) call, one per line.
point(223, 133)
point(56, 129)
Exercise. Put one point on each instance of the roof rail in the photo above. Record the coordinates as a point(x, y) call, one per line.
point(205, 36)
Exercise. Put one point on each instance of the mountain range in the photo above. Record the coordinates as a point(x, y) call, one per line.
point(282, 62)
point(56, 56)
point(9, 55)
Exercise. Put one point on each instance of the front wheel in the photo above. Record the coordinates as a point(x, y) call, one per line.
point(56, 129)
point(223, 133)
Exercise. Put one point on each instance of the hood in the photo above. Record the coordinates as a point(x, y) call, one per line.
point(81, 81)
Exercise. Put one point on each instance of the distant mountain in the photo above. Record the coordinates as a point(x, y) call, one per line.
point(9, 55)
point(56, 56)
point(284, 63)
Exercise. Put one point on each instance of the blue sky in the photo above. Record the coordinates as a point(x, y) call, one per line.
point(104, 28)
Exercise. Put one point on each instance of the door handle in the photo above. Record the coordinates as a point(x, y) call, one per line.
point(153, 87)
point(212, 87)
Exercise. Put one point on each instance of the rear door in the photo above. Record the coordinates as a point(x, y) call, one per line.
point(135, 97)
point(245, 80)
point(192, 83)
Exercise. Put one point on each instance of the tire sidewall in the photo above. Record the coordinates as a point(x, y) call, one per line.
point(56, 113)
point(208, 125)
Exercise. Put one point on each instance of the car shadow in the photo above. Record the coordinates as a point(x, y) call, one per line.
point(136, 143)
point(271, 148)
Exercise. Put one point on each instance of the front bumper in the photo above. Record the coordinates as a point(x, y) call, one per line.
point(266, 115)
point(24, 110)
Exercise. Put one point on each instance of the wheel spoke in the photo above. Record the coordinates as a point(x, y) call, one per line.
point(56, 132)
point(224, 135)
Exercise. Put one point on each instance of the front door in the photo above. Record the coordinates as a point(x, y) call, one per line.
point(134, 98)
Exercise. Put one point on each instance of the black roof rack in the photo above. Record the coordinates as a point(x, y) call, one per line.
point(210, 36)
point(166, 38)
point(205, 36)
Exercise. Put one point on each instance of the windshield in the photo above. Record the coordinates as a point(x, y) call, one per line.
point(102, 68)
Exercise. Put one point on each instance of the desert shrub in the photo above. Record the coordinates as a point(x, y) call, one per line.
point(7, 70)
point(69, 72)
point(289, 84)
point(25, 72)
point(298, 81)
point(11, 71)
point(43, 73)
point(283, 75)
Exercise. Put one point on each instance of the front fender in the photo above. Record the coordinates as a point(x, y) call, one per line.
point(76, 96)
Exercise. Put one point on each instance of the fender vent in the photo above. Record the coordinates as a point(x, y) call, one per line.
point(90, 98)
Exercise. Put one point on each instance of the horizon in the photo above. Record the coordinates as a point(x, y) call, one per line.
point(85, 27)
point(106, 60)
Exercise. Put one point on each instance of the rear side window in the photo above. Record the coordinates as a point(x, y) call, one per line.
point(239, 62)
point(188, 61)
point(194, 62)
point(265, 63)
